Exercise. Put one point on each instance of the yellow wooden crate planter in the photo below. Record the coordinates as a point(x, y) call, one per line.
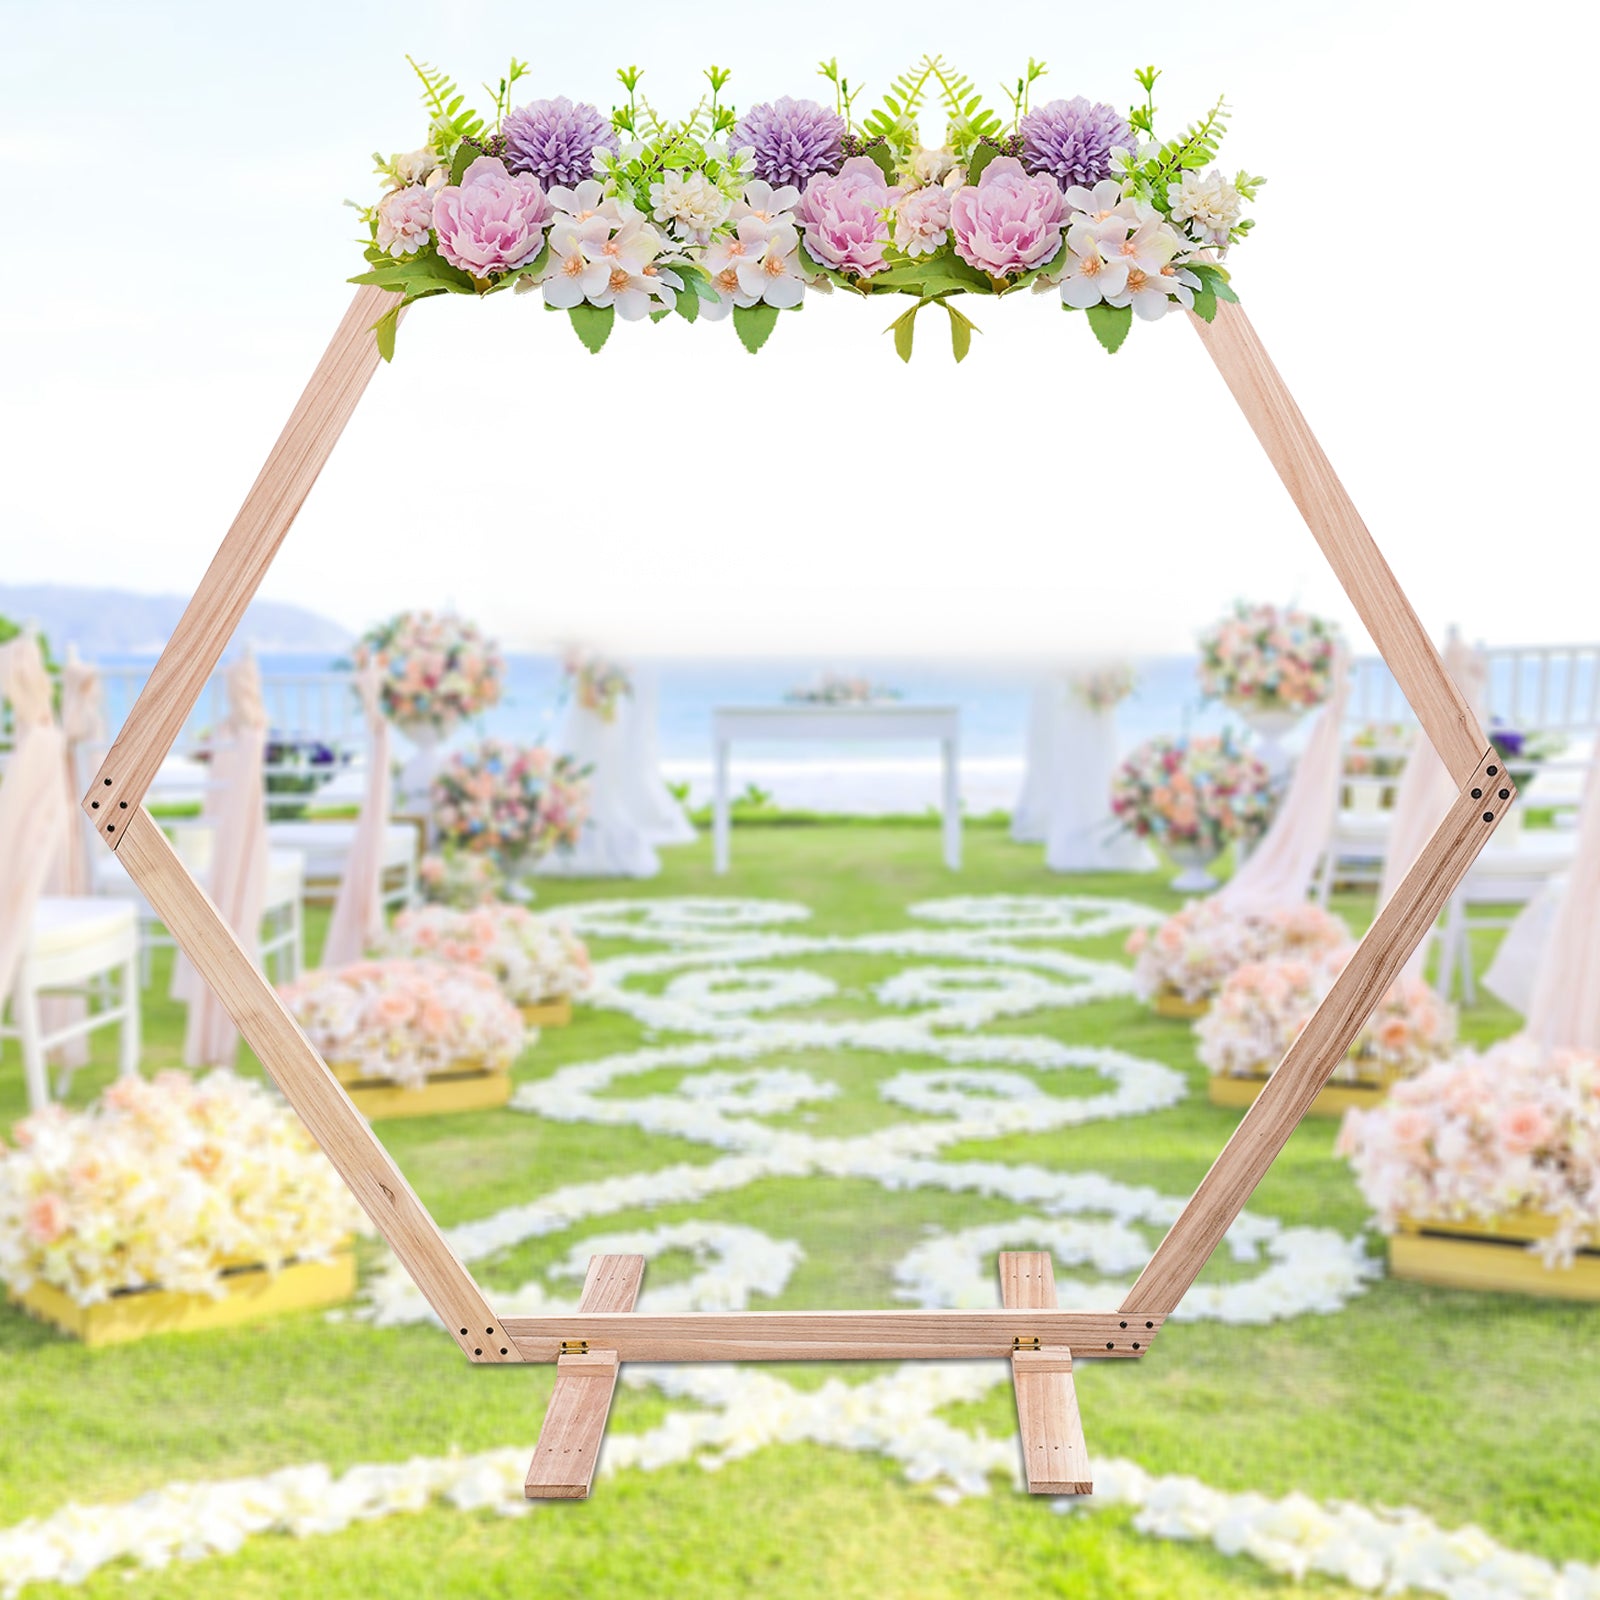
point(548, 1014)
point(468, 1086)
point(1227, 1089)
point(1490, 1253)
point(1169, 1003)
point(252, 1292)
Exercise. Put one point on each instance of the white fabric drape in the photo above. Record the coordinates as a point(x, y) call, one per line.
point(1548, 964)
point(1030, 817)
point(34, 821)
point(660, 817)
point(357, 921)
point(1426, 790)
point(1279, 870)
point(614, 844)
point(237, 882)
point(1081, 835)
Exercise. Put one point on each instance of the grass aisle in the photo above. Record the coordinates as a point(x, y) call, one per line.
point(1473, 1408)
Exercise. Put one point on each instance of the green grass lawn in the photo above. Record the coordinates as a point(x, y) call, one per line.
point(1474, 1408)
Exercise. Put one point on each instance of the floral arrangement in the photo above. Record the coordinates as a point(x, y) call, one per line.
point(1104, 687)
point(459, 879)
point(596, 684)
point(513, 802)
point(1267, 658)
point(405, 1020)
point(438, 670)
point(1262, 1006)
point(840, 689)
point(165, 1183)
point(534, 959)
point(1378, 750)
point(1194, 951)
point(1524, 750)
point(1483, 1136)
point(635, 215)
point(1194, 792)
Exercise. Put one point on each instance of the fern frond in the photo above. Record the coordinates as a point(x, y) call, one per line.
point(1198, 146)
point(444, 103)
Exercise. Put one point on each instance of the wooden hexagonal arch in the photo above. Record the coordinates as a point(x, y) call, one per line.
point(1040, 1339)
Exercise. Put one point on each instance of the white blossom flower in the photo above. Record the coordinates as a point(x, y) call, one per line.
point(577, 269)
point(757, 263)
point(1094, 268)
point(761, 200)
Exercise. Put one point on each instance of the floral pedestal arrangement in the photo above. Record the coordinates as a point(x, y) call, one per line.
point(1193, 860)
point(1485, 1171)
point(1179, 966)
point(248, 1294)
point(511, 803)
point(539, 964)
point(411, 1038)
point(1262, 1006)
point(173, 1205)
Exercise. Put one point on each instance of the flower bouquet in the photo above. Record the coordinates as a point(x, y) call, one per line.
point(1263, 659)
point(439, 671)
point(840, 689)
point(596, 684)
point(514, 803)
point(721, 214)
point(1102, 688)
point(540, 965)
point(1193, 796)
point(458, 879)
point(411, 1038)
point(1262, 1007)
point(1180, 966)
point(1484, 1153)
point(171, 1203)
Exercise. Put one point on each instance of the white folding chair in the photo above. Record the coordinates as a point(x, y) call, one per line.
point(80, 946)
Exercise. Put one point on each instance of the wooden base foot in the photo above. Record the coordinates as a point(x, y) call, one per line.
point(1054, 1455)
point(568, 1451)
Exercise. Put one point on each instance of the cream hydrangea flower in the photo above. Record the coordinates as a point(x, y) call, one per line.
point(691, 203)
point(1209, 206)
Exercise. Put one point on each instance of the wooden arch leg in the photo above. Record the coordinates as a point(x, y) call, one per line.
point(568, 1451)
point(1054, 1455)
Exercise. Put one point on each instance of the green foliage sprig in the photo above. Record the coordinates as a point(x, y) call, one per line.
point(451, 119)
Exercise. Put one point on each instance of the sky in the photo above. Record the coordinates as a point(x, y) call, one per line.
point(1422, 272)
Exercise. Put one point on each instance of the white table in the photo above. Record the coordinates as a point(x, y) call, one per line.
point(831, 724)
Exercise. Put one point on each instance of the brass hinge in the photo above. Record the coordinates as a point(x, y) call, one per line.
point(1024, 1344)
point(574, 1347)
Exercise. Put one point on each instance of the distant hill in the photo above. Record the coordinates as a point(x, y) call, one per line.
point(105, 622)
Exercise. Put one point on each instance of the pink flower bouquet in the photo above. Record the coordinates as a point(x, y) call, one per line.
point(1262, 1007)
point(1482, 1137)
point(1193, 953)
point(405, 1020)
point(1199, 792)
point(1263, 658)
point(534, 959)
point(596, 684)
point(459, 880)
point(439, 670)
point(513, 802)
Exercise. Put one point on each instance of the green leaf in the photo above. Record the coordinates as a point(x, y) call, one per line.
point(884, 157)
point(687, 306)
point(754, 325)
point(980, 158)
point(466, 153)
point(1223, 290)
point(962, 327)
point(1111, 324)
point(384, 328)
point(1205, 304)
point(905, 328)
point(593, 325)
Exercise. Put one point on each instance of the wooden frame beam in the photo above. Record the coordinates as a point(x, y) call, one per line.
point(1041, 1340)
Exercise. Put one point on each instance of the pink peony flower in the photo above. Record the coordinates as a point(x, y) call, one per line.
point(492, 221)
point(47, 1219)
point(1524, 1127)
point(1007, 222)
point(404, 219)
point(922, 221)
point(846, 217)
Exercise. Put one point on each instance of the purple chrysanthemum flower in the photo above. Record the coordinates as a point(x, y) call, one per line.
point(555, 140)
point(1073, 140)
point(792, 140)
